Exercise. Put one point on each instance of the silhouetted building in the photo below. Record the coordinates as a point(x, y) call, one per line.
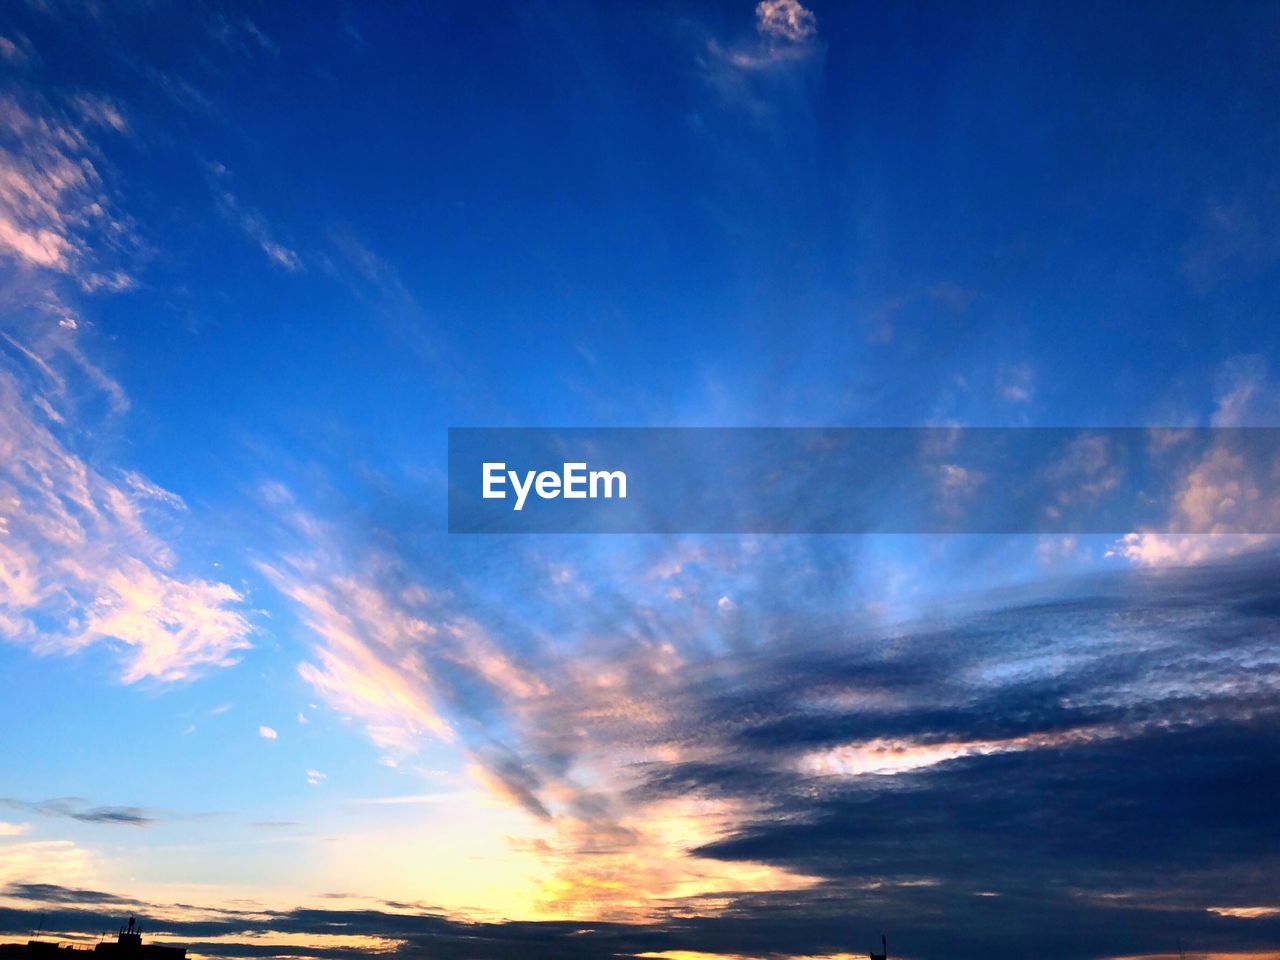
point(884, 946)
point(128, 946)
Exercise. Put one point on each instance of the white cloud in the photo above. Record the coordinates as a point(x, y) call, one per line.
point(315, 777)
point(555, 731)
point(786, 36)
point(1086, 471)
point(1247, 396)
point(100, 111)
point(266, 733)
point(1219, 500)
point(281, 256)
point(1016, 383)
point(79, 564)
point(1246, 913)
point(785, 20)
point(377, 649)
point(45, 861)
point(13, 829)
point(52, 200)
point(11, 51)
point(1051, 551)
point(251, 222)
point(1223, 495)
point(957, 486)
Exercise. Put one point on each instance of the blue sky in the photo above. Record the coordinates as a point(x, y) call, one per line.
point(257, 258)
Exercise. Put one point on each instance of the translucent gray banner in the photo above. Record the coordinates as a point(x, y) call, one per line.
point(864, 480)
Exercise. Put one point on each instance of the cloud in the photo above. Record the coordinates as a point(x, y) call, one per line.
point(53, 893)
point(1087, 469)
point(175, 628)
point(957, 486)
point(241, 36)
point(79, 565)
point(387, 650)
point(1016, 383)
point(537, 730)
point(1100, 752)
point(378, 285)
point(54, 208)
point(100, 111)
point(776, 930)
point(1246, 394)
point(54, 861)
point(16, 52)
point(1227, 492)
point(251, 222)
point(315, 777)
point(671, 759)
point(368, 662)
point(266, 733)
point(750, 72)
point(256, 229)
point(76, 809)
point(785, 20)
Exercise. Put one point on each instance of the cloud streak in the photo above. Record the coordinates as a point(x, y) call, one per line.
point(74, 808)
point(80, 564)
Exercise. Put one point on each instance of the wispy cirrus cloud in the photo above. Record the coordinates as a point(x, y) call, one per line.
point(251, 221)
point(758, 73)
point(16, 50)
point(786, 32)
point(538, 730)
point(54, 209)
point(80, 564)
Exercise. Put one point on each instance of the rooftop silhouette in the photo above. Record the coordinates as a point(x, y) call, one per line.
point(128, 944)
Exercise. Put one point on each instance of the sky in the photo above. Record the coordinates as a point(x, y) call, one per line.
point(258, 258)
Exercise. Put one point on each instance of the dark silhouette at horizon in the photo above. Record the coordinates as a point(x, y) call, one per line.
point(127, 946)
